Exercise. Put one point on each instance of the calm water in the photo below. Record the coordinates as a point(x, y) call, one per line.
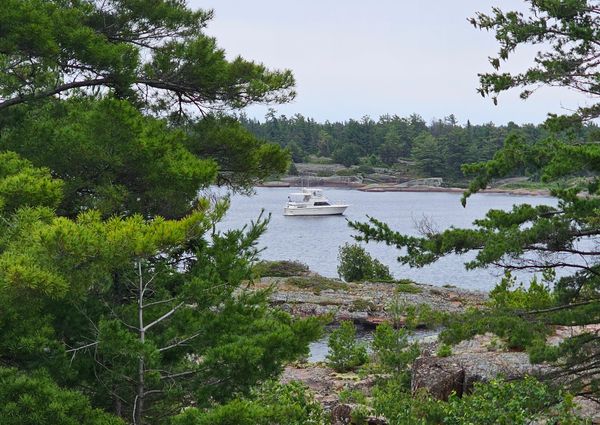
point(315, 240)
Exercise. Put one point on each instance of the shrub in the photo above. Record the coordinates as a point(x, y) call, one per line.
point(274, 403)
point(34, 398)
point(345, 352)
point(444, 350)
point(496, 402)
point(279, 268)
point(407, 286)
point(359, 415)
point(518, 402)
point(538, 295)
point(346, 172)
point(356, 264)
point(293, 170)
point(365, 169)
point(316, 283)
point(363, 305)
point(352, 396)
point(392, 350)
point(325, 173)
point(519, 332)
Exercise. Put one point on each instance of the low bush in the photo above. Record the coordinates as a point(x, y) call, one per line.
point(345, 352)
point(316, 283)
point(325, 173)
point(393, 353)
point(356, 264)
point(279, 269)
point(407, 286)
point(444, 350)
point(346, 172)
point(273, 403)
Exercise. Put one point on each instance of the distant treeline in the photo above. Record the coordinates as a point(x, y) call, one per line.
point(438, 148)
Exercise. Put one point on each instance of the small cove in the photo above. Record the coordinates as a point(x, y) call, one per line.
point(315, 240)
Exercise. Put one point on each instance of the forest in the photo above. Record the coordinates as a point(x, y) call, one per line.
point(122, 303)
point(438, 148)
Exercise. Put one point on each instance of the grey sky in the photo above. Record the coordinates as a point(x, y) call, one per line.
point(353, 58)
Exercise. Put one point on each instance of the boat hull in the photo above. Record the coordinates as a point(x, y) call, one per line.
point(325, 210)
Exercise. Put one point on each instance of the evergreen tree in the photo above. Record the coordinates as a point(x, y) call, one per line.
point(541, 238)
point(117, 291)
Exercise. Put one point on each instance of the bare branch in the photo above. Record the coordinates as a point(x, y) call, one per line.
point(164, 316)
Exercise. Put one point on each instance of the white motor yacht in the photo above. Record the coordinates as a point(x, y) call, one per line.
point(312, 202)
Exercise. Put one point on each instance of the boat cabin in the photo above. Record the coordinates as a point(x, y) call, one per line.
point(309, 196)
point(312, 202)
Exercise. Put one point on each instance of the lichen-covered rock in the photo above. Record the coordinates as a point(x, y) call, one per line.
point(342, 415)
point(474, 360)
point(438, 376)
point(587, 409)
point(365, 303)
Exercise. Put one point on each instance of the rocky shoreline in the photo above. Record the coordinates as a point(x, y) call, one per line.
point(368, 304)
point(365, 303)
point(399, 187)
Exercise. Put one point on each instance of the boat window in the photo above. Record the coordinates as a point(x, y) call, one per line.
point(321, 203)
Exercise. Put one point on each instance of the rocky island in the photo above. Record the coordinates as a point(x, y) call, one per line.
point(367, 304)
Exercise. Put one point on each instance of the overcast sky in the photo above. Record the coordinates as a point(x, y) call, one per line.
point(353, 58)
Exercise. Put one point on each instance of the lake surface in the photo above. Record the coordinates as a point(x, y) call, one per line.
point(315, 240)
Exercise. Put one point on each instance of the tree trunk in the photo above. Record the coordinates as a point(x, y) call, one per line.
point(139, 398)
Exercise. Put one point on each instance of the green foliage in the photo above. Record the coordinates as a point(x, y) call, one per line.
point(359, 415)
point(124, 294)
point(352, 396)
point(392, 400)
point(243, 159)
point(428, 155)
point(272, 404)
point(496, 402)
point(23, 185)
point(103, 137)
point(149, 171)
point(279, 268)
point(534, 238)
point(444, 350)
point(155, 169)
point(567, 29)
point(365, 169)
point(535, 296)
point(113, 278)
point(347, 155)
point(356, 264)
point(316, 283)
point(406, 286)
point(437, 149)
point(345, 352)
point(157, 57)
point(296, 152)
point(519, 332)
point(412, 316)
point(392, 351)
point(293, 170)
point(324, 173)
point(362, 304)
point(511, 403)
point(33, 399)
point(346, 172)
